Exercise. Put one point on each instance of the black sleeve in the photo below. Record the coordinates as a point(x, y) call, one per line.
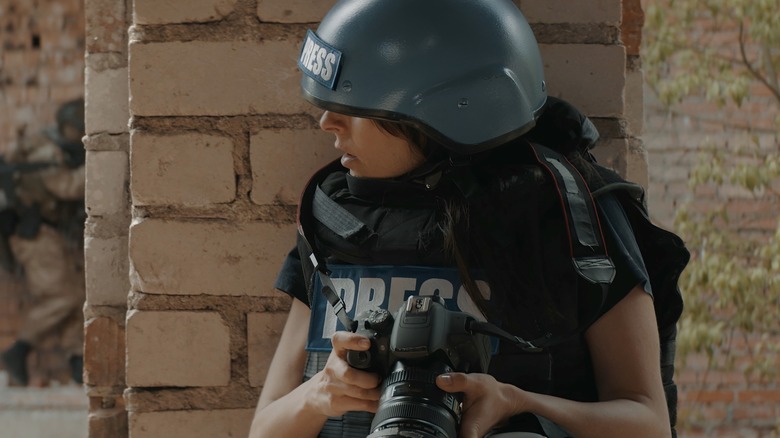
point(290, 279)
point(624, 251)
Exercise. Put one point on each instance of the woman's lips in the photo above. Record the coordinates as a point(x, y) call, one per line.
point(346, 159)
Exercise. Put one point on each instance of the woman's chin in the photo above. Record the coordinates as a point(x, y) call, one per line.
point(350, 162)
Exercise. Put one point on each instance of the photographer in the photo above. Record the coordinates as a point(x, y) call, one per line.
point(455, 159)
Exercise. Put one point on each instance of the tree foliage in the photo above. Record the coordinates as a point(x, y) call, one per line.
point(725, 51)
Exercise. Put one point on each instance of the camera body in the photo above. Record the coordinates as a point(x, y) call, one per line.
point(408, 351)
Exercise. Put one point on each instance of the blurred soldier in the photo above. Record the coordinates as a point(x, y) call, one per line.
point(46, 237)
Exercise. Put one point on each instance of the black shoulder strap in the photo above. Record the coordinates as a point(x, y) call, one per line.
point(306, 218)
point(587, 247)
point(586, 241)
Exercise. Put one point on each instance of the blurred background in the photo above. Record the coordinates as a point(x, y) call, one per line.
point(41, 69)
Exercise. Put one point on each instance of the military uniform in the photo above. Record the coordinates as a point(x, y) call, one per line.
point(47, 244)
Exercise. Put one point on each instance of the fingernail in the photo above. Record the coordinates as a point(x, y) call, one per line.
point(365, 343)
point(446, 379)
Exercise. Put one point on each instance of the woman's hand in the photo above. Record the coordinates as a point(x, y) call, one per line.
point(486, 402)
point(340, 388)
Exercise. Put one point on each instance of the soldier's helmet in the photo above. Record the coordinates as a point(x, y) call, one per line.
point(468, 73)
point(70, 119)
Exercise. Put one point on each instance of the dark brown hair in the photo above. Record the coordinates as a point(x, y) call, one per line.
point(409, 133)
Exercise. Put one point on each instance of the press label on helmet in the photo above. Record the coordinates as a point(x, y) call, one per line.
point(319, 60)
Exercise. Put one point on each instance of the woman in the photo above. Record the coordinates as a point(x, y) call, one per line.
point(438, 108)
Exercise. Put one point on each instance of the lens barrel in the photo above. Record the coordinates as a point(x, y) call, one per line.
point(412, 406)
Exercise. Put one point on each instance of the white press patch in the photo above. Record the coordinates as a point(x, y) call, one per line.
point(319, 60)
point(385, 287)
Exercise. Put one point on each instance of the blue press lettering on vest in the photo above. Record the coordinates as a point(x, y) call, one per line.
point(319, 60)
point(385, 287)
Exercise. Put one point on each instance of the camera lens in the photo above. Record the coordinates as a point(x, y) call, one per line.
point(412, 406)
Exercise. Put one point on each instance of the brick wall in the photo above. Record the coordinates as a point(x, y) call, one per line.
point(718, 398)
point(676, 138)
point(41, 67)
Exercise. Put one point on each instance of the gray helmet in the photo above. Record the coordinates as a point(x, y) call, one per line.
point(466, 72)
point(71, 114)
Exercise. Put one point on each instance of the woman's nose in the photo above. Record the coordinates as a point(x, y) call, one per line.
point(332, 122)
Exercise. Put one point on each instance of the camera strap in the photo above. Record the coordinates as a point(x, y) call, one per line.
point(306, 217)
point(587, 247)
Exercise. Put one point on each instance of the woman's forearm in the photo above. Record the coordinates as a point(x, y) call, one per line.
point(604, 419)
point(288, 416)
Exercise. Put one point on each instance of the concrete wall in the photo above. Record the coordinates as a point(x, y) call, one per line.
point(198, 146)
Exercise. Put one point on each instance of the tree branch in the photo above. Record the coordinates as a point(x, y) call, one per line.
point(750, 67)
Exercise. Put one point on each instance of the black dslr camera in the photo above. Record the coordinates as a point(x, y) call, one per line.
point(424, 339)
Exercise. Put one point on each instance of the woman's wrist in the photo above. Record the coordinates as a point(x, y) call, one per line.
point(517, 399)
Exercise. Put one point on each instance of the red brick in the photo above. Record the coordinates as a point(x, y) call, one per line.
point(104, 352)
point(631, 27)
point(108, 423)
point(694, 415)
point(760, 396)
point(755, 411)
point(705, 396)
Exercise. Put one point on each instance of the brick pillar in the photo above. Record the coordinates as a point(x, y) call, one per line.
point(631, 36)
point(220, 145)
point(108, 208)
point(585, 63)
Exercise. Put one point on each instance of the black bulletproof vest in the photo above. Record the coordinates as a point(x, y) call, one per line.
point(404, 230)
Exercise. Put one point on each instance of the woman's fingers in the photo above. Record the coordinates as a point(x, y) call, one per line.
point(343, 388)
point(486, 402)
point(343, 341)
point(453, 382)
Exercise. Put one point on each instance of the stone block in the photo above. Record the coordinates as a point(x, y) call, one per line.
point(182, 11)
point(215, 78)
point(292, 11)
point(106, 270)
point(107, 423)
point(590, 76)
point(263, 332)
point(191, 424)
point(106, 182)
point(104, 352)
point(177, 349)
point(189, 169)
point(214, 258)
point(633, 19)
point(635, 102)
point(107, 142)
point(106, 97)
point(284, 160)
point(636, 163)
point(106, 28)
point(567, 11)
point(613, 153)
